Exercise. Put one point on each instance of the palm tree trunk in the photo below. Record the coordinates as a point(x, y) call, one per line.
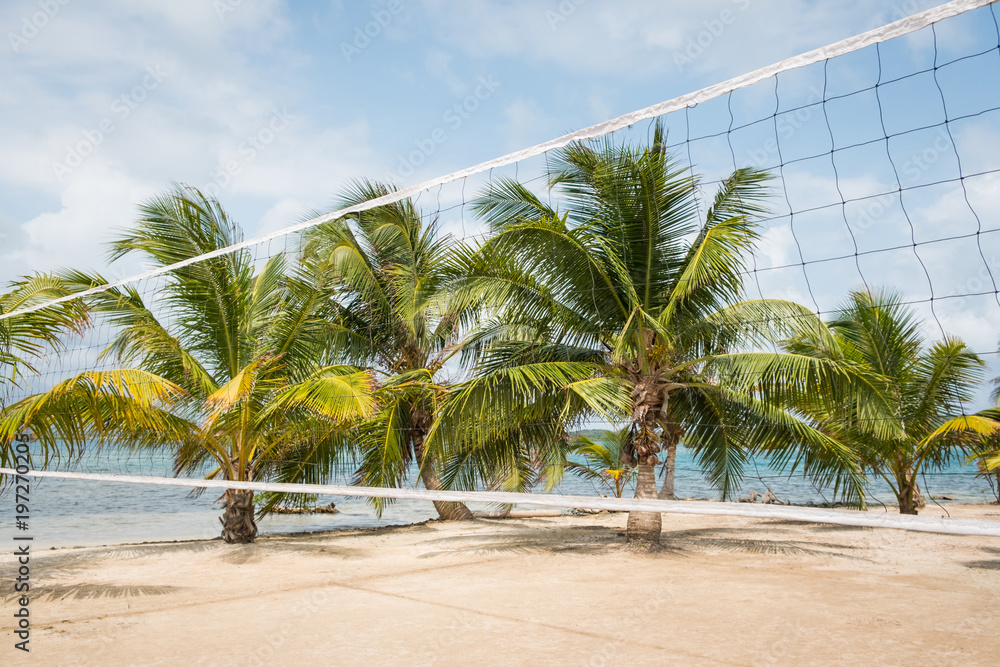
point(667, 492)
point(644, 527)
point(910, 498)
point(449, 511)
point(238, 525)
point(906, 497)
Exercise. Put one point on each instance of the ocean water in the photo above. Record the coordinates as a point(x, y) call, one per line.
point(82, 513)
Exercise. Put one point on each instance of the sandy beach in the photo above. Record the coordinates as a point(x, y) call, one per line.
point(551, 590)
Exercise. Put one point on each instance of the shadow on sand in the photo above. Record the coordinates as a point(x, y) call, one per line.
point(598, 539)
point(92, 591)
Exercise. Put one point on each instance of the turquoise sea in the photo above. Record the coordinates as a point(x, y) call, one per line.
point(81, 513)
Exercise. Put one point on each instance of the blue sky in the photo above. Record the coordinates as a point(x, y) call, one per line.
point(275, 105)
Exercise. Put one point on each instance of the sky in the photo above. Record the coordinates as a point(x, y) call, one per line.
point(275, 106)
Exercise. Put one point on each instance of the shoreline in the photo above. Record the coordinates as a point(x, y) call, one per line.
point(390, 527)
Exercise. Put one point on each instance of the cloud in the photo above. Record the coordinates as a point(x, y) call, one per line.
point(643, 37)
point(287, 211)
point(228, 76)
point(85, 95)
point(526, 124)
point(12, 237)
point(438, 64)
point(304, 163)
point(99, 200)
point(776, 248)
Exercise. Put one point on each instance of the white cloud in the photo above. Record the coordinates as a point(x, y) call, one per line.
point(776, 248)
point(438, 64)
point(287, 211)
point(526, 124)
point(96, 202)
point(642, 37)
point(303, 163)
point(90, 69)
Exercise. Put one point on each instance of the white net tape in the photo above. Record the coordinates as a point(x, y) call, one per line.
point(843, 518)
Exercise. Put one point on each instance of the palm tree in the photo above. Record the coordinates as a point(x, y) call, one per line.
point(25, 338)
point(227, 364)
point(924, 391)
point(987, 456)
point(603, 459)
point(393, 314)
point(625, 302)
point(995, 395)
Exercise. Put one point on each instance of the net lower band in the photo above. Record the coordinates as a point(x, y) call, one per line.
point(837, 517)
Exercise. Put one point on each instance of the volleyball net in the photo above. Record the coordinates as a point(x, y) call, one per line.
point(882, 152)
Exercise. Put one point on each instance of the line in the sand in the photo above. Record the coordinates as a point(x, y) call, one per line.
point(372, 578)
point(514, 619)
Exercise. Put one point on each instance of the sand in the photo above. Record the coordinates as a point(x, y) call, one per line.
point(551, 590)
